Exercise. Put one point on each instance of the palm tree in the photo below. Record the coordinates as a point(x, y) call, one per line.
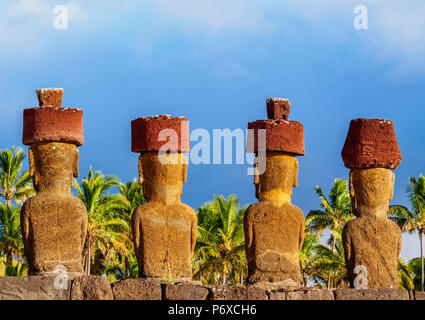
point(14, 185)
point(220, 247)
point(329, 265)
point(131, 194)
point(114, 270)
point(335, 211)
point(405, 272)
point(412, 220)
point(107, 231)
point(415, 267)
point(308, 256)
point(10, 232)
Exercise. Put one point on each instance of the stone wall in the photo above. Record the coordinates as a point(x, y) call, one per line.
point(98, 288)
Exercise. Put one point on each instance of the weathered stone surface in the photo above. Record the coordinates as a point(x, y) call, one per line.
point(164, 229)
point(91, 288)
point(281, 135)
point(145, 134)
point(372, 241)
point(184, 291)
point(33, 288)
point(371, 294)
point(53, 222)
point(278, 108)
point(274, 228)
point(277, 295)
point(310, 294)
point(371, 143)
point(137, 289)
point(419, 295)
point(50, 97)
point(238, 293)
point(47, 124)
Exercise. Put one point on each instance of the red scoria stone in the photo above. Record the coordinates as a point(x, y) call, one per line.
point(49, 124)
point(371, 143)
point(50, 97)
point(145, 134)
point(278, 108)
point(281, 135)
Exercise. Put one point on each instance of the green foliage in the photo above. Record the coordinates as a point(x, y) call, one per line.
point(131, 196)
point(16, 269)
point(308, 257)
point(326, 264)
point(405, 277)
point(108, 229)
point(335, 210)
point(10, 232)
point(14, 185)
point(219, 256)
point(412, 220)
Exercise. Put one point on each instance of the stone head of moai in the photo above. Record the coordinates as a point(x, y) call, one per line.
point(371, 241)
point(53, 221)
point(164, 229)
point(274, 228)
point(371, 152)
point(162, 164)
point(277, 168)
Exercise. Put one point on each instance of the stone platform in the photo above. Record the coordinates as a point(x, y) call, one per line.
point(98, 288)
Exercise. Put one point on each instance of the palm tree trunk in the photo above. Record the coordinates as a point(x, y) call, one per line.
point(333, 251)
point(9, 258)
point(305, 280)
point(127, 268)
point(422, 259)
point(88, 258)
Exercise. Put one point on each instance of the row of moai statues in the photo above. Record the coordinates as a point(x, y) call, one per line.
point(164, 230)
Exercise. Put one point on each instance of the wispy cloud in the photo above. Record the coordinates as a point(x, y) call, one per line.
point(396, 34)
point(396, 30)
point(26, 25)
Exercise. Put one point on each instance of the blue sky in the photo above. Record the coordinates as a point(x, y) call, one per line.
point(215, 62)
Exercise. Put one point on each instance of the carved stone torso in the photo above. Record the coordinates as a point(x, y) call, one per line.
point(274, 237)
point(54, 228)
point(374, 243)
point(166, 234)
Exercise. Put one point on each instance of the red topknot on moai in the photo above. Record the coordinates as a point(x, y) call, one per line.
point(164, 229)
point(274, 228)
point(372, 242)
point(53, 222)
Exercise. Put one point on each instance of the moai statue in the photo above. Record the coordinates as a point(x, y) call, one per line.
point(274, 228)
point(164, 229)
point(372, 242)
point(53, 222)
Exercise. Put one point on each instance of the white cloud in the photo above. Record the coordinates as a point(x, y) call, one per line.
point(39, 9)
point(396, 30)
point(26, 26)
point(76, 12)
